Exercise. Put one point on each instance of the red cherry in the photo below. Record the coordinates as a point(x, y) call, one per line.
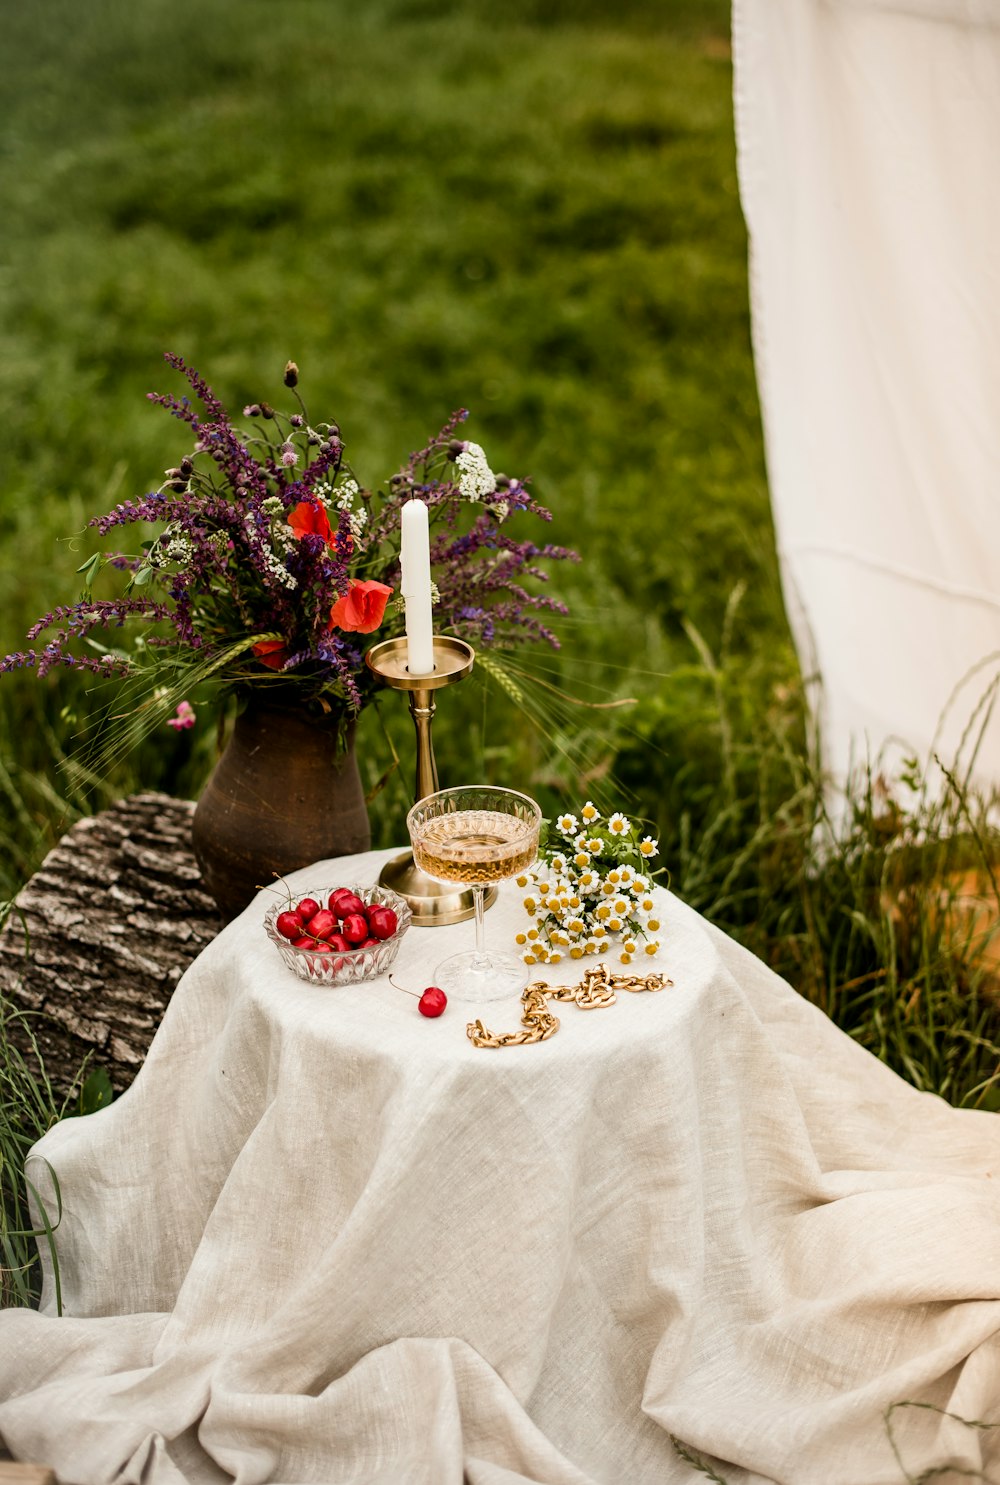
point(305, 942)
point(371, 943)
point(355, 928)
point(335, 899)
point(382, 921)
point(338, 941)
point(322, 924)
point(349, 904)
point(288, 924)
point(432, 1002)
point(307, 908)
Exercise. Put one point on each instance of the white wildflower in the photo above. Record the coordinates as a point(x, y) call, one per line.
point(277, 569)
point(476, 479)
point(179, 549)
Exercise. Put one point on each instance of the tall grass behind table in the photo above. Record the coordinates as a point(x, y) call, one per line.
point(100, 936)
point(323, 1238)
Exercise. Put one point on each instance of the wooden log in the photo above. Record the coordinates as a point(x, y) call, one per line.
point(102, 933)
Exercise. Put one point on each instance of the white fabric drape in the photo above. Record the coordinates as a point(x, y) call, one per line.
point(869, 161)
point(322, 1241)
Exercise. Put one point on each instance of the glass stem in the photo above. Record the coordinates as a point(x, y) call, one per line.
point(481, 961)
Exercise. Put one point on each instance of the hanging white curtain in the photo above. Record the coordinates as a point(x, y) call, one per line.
point(868, 139)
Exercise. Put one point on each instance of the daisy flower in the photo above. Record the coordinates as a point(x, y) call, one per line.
point(619, 825)
point(648, 846)
point(568, 824)
point(590, 812)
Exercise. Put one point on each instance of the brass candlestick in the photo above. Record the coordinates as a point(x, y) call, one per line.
point(433, 904)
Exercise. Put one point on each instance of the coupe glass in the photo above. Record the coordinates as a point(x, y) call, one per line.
point(472, 837)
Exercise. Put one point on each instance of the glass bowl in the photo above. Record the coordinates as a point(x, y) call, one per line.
point(341, 966)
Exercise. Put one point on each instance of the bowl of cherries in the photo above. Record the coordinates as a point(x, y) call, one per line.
point(339, 937)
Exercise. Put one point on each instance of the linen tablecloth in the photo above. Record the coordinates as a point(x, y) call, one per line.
point(322, 1239)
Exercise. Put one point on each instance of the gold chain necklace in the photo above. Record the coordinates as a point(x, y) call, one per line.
point(596, 990)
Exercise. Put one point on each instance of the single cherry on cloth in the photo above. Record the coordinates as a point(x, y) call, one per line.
point(432, 1002)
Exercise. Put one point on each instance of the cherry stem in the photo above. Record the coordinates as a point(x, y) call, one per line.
point(397, 986)
point(267, 887)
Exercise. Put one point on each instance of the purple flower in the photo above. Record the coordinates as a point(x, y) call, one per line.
point(230, 582)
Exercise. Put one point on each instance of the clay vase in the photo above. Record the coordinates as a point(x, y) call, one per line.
point(282, 796)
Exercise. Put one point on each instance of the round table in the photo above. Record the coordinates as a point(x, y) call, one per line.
point(325, 1239)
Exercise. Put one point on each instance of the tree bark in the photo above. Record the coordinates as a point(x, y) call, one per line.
point(100, 936)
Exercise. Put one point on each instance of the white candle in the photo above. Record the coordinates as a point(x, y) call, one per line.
point(415, 583)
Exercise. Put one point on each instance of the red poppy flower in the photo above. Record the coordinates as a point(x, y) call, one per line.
point(309, 517)
point(271, 652)
point(362, 607)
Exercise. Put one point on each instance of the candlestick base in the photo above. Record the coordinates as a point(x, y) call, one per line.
point(432, 903)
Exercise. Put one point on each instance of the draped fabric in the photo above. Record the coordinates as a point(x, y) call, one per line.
point(869, 160)
point(324, 1240)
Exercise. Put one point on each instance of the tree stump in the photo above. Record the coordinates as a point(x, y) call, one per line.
point(100, 936)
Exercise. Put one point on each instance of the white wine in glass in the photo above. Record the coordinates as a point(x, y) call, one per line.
point(474, 836)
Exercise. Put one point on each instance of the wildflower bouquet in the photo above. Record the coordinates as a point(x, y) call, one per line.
point(590, 887)
point(272, 563)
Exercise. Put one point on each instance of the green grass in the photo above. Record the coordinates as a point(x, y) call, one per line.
point(534, 216)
